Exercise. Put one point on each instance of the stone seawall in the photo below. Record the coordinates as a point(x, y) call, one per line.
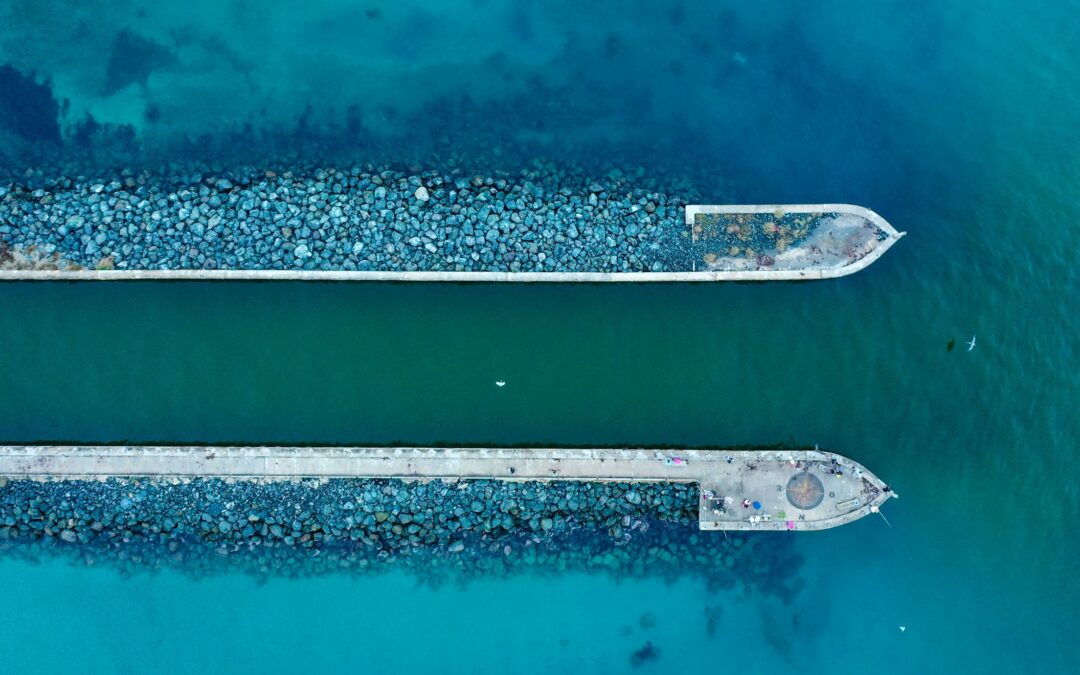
point(269, 511)
point(360, 225)
point(731, 477)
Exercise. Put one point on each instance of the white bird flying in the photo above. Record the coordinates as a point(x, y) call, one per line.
point(971, 343)
point(902, 628)
point(500, 383)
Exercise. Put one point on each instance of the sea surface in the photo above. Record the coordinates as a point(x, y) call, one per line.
point(956, 121)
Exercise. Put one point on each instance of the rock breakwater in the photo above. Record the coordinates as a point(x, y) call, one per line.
point(437, 529)
point(538, 220)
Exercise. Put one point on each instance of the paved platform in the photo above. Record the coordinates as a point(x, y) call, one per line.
point(727, 479)
point(792, 241)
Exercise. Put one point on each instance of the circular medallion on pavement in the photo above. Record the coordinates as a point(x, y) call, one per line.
point(805, 490)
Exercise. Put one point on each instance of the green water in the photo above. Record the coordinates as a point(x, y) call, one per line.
point(340, 363)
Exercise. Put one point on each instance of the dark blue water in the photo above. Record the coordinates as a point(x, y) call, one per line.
point(954, 120)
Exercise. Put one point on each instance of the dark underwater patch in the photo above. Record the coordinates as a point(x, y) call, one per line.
point(713, 615)
point(644, 655)
point(133, 59)
point(28, 109)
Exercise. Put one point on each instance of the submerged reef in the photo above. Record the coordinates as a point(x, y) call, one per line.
point(350, 219)
point(132, 59)
point(438, 530)
point(28, 110)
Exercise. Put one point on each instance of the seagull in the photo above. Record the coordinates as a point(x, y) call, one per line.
point(500, 383)
point(902, 628)
point(971, 343)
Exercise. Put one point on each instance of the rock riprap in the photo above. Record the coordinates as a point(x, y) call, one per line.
point(435, 529)
point(388, 514)
point(353, 219)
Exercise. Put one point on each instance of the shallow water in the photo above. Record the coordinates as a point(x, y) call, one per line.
point(955, 121)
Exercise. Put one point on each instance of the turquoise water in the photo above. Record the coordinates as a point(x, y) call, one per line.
point(956, 121)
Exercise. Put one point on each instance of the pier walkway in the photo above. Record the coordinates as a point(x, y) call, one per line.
point(740, 489)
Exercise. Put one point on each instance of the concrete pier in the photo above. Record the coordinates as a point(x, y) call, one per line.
point(740, 489)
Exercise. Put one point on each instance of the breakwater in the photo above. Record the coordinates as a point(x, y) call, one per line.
point(740, 489)
point(388, 225)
